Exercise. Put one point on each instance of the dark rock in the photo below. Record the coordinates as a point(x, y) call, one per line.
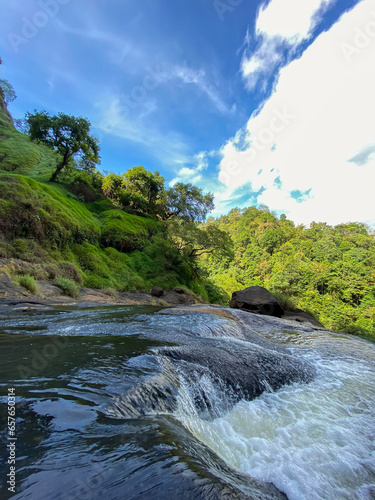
point(257, 299)
point(179, 290)
point(237, 370)
point(175, 298)
point(157, 291)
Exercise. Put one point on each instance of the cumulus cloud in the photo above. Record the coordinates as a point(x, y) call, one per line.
point(314, 135)
point(281, 26)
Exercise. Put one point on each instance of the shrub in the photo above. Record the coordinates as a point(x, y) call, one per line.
point(97, 282)
point(67, 286)
point(29, 283)
point(70, 271)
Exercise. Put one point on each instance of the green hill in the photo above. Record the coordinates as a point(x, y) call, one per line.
point(57, 235)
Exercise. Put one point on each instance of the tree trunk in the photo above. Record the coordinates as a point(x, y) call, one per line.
point(60, 166)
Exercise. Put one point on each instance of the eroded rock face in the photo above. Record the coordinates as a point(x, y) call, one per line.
point(258, 300)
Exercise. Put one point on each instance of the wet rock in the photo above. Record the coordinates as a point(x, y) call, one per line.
point(302, 317)
point(257, 299)
point(235, 370)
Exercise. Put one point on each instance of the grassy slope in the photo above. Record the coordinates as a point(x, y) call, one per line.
point(57, 235)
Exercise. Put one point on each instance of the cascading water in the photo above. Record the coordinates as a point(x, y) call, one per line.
point(135, 403)
point(313, 441)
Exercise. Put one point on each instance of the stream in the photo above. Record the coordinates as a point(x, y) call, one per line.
point(139, 402)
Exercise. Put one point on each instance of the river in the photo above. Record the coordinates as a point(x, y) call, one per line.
point(138, 402)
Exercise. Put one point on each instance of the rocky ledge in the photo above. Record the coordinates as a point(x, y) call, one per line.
point(16, 297)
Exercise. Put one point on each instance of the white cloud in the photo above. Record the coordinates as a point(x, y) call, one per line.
point(192, 175)
point(280, 25)
point(316, 130)
point(290, 20)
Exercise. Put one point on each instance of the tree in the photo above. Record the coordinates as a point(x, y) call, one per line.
point(187, 202)
point(112, 186)
point(194, 241)
point(21, 125)
point(65, 134)
point(144, 189)
point(6, 89)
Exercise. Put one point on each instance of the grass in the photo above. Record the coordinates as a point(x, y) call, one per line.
point(29, 282)
point(90, 244)
point(47, 233)
point(20, 156)
point(68, 286)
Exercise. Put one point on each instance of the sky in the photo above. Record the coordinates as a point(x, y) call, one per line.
point(259, 102)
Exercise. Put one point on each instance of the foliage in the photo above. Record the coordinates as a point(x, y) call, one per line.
point(29, 283)
point(327, 271)
point(7, 91)
point(29, 209)
point(68, 286)
point(194, 241)
point(67, 135)
point(143, 191)
point(86, 184)
point(187, 202)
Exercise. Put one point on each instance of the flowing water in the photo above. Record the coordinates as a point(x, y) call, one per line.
point(136, 402)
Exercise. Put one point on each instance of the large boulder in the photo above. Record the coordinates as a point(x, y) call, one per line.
point(257, 299)
point(157, 291)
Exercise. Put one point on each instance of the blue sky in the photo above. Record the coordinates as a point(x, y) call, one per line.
point(246, 99)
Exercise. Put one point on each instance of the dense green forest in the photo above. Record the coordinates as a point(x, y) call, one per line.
point(327, 271)
point(61, 219)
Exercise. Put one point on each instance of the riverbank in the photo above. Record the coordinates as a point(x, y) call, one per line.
point(16, 297)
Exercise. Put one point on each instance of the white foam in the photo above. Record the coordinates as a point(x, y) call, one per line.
point(313, 441)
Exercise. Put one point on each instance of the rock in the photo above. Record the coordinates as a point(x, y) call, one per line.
point(302, 317)
point(257, 299)
point(157, 291)
point(175, 298)
point(179, 290)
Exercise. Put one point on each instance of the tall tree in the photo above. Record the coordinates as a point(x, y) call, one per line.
point(187, 202)
point(66, 134)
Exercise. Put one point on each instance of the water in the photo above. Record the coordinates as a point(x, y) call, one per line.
point(133, 402)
